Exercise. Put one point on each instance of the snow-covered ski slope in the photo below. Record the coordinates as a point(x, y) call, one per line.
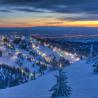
point(80, 77)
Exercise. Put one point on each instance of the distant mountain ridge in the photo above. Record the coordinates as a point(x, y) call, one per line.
point(53, 30)
point(65, 30)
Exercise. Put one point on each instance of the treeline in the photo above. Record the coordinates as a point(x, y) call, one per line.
point(13, 76)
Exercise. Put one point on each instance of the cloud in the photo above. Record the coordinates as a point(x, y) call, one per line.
point(55, 22)
point(29, 10)
point(80, 17)
point(4, 10)
point(60, 6)
point(89, 7)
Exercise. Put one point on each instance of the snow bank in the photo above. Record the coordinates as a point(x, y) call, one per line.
point(80, 77)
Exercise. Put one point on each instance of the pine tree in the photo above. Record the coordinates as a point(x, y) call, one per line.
point(60, 89)
point(95, 65)
point(90, 54)
point(0, 53)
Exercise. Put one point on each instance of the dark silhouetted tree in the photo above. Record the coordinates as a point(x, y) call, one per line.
point(60, 89)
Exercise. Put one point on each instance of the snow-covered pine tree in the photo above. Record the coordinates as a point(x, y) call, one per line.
point(0, 53)
point(60, 89)
point(95, 65)
point(90, 56)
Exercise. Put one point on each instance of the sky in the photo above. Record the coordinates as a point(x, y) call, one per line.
point(29, 13)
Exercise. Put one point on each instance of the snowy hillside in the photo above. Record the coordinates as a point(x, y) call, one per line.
point(33, 63)
point(80, 77)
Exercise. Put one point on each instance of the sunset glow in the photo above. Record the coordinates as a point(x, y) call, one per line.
point(28, 22)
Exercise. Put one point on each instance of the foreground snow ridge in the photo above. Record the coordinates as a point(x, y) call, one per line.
point(80, 77)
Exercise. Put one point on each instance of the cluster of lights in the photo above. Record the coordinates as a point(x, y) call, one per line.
point(44, 55)
point(72, 57)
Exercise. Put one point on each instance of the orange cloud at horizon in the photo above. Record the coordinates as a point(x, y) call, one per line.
point(29, 22)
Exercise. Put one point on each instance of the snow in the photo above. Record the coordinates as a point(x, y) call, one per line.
point(82, 80)
point(80, 77)
point(35, 89)
point(45, 51)
point(7, 60)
